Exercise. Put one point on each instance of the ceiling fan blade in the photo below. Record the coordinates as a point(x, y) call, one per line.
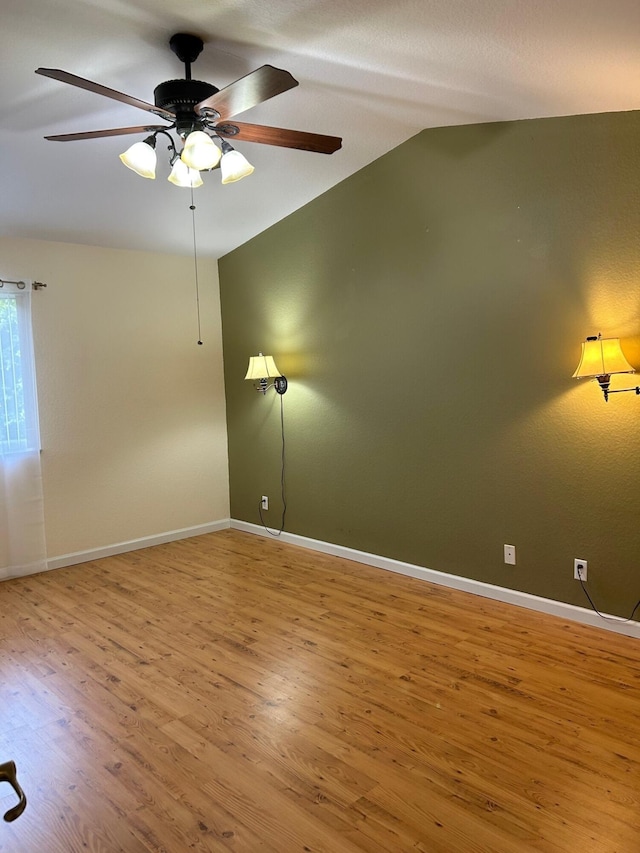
point(279, 136)
point(114, 131)
point(90, 86)
point(248, 91)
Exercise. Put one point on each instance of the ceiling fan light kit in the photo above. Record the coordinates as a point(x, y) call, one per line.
point(198, 113)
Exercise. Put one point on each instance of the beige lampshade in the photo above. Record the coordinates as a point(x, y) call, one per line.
point(601, 357)
point(141, 158)
point(234, 166)
point(262, 367)
point(200, 152)
point(182, 176)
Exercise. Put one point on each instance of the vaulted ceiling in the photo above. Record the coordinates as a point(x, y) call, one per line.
point(374, 73)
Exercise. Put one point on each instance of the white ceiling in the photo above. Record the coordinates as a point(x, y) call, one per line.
point(374, 73)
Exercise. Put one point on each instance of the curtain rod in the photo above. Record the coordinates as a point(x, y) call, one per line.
point(36, 285)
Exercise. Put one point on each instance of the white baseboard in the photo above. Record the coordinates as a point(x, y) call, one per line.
point(498, 593)
point(135, 544)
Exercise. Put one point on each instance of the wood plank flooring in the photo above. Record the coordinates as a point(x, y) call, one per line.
point(233, 693)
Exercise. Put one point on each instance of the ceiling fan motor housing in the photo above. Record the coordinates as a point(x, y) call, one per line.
point(180, 97)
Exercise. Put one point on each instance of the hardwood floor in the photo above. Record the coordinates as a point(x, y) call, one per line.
point(232, 693)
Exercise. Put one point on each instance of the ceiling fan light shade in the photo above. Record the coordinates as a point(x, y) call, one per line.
point(200, 152)
point(234, 166)
point(141, 158)
point(182, 176)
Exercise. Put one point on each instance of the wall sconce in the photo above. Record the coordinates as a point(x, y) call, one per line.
point(261, 369)
point(600, 358)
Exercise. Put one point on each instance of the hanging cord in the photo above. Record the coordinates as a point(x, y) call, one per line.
point(192, 208)
point(608, 618)
point(282, 479)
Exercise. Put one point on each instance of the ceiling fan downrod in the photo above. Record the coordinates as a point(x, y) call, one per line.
point(187, 48)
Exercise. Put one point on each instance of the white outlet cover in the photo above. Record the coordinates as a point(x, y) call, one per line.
point(583, 565)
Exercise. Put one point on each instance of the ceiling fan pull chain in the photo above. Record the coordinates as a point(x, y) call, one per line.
point(192, 208)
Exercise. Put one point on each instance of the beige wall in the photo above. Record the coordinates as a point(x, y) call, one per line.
point(132, 410)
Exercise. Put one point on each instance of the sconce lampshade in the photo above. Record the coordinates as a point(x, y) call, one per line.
point(262, 367)
point(601, 357)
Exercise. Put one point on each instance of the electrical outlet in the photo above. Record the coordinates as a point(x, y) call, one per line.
point(579, 569)
point(510, 554)
point(264, 503)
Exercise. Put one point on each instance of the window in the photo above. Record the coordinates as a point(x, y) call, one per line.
point(18, 407)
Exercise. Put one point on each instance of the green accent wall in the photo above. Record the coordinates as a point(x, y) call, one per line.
point(428, 313)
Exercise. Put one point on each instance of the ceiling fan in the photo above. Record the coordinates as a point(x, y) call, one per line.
point(199, 112)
